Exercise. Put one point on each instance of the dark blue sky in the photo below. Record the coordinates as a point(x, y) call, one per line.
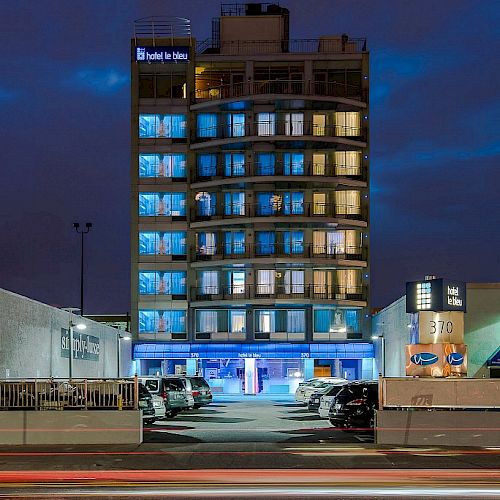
point(64, 155)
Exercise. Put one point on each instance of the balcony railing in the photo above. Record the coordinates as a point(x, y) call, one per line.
point(279, 87)
point(333, 45)
point(299, 170)
point(291, 251)
point(294, 130)
point(279, 209)
point(276, 292)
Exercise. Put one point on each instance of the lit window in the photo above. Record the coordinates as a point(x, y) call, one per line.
point(266, 124)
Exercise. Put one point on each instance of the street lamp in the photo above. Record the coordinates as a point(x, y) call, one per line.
point(118, 350)
point(82, 231)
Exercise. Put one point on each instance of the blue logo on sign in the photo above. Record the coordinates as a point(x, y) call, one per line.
point(424, 358)
point(455, 359)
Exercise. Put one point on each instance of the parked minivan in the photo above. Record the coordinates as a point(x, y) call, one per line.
point(173, 391)
point(199, 389)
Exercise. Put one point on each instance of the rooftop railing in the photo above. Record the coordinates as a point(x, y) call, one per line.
point(162, 27)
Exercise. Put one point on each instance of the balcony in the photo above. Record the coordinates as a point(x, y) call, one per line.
point(278, 130)
point(279, 292)
point(280, 210)
point(275, 250)
point(294, 171)
point(292, 88)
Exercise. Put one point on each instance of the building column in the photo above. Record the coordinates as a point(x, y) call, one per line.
point(308, 368)
point(338, 368)
point(251, 382)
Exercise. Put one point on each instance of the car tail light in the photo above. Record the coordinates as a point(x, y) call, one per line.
point(164, 395)
point(195, 393)
point(357, 402)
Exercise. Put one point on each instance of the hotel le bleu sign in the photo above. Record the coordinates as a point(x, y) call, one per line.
point(162, 54)
point(435, 295)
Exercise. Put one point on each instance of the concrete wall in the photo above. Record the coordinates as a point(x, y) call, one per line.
point(70, 427)
point(481, 327)
point(437, 428)
point(30, 342)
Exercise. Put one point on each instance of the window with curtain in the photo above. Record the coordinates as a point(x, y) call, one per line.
point(234, 242)
point(234, 164)
point(175, 126)
point(335, 320)
point(319, 203)
point(234, 203)
point(329, 242)
point(147, 282)
point(265, 242)
point(158, 204)
point(348, 162)
point(237, 321)
point(206, 321)
point(296, 321)
point(235, 124)
point(266, 203)
point(347, 123)
point(220, 320)
point(323, 283)
point(349, 280)
point(264, 163)
point(293, 163)
point(265, 321)
point(236, 282)
point(162, 282)
point(157, 126)
point(266, 124)
point(319, 124)
point(347, 202)
point(206, 243)
point(206, 204)
point(148, 243)
point(173, 243)
point(148, 125)
point(208, 282)
point(293, 242)
point(293, 281)
point(280, 321)
point(293, 203)
point(319, 163)
point(206, 125)
point(207, 165)
point(266, 281)
point(294, 123)
point(167, 321)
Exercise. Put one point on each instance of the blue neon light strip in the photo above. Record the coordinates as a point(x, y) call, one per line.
point(354, 350)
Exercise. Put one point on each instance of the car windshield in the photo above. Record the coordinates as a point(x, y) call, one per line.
point(173, 384)
point(198, 383)
point(151, 385)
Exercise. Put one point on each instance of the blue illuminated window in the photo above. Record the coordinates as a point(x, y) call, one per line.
point(171, 321)
point(162, 243)
point(293, 203)
point(206, 204)
point(157, 126)
point(206, 243)
point(234, 203)
point(206, 125)
point(265, 242)
point(336, 320)
point(158, 204)
point(293, 163)
point(265, 163)
point(234, 164)
point(293, 242)
point(207, 165)
point(234, 242)
point(162, 165)
point(162, 282)
point(235, 124)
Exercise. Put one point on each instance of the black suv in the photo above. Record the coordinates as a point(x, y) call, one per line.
point(354, 406)
point(146, 405)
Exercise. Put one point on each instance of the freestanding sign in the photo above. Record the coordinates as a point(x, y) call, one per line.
point(435, 295)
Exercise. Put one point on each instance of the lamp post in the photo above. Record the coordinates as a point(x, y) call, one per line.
point(82, 231)
point(118, 350)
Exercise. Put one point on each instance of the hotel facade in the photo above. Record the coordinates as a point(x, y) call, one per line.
point(250, 202)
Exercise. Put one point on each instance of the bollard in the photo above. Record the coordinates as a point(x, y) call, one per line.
point(120, 402)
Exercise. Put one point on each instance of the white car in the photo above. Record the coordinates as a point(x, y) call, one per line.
point(159, 406)
point(306, 389)
point(326, 401)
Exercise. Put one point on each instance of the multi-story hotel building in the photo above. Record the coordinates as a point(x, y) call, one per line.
point(250, 202)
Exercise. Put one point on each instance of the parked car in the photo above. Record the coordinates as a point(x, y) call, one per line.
point(198, 388)
point(173, 392)
point(305, 391)
point(146, 405)
point(317, 397)
point(159, 407)
point(326, 400)
point(354, 405)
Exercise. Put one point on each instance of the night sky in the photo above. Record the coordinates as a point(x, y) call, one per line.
point(65, 145)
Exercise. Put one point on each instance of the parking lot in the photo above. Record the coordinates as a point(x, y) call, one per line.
point(236, 419)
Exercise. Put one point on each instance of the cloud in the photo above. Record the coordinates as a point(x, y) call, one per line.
point(99, 81)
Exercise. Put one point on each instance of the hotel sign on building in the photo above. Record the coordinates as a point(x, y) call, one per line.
point(162, 54)
point(435, 295)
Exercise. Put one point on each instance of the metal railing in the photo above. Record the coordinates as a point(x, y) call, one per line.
point(270, 291)
point(293, 169)
point(278, 209)
point(293, 129)
point(162, 27)
point(64, 394)
point(271, 250)
point(326, 45)
point(280, 87)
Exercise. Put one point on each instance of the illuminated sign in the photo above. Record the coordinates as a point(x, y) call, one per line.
point(162, 54)
point(440, 327)
point(435, 295)
point(436, 360)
